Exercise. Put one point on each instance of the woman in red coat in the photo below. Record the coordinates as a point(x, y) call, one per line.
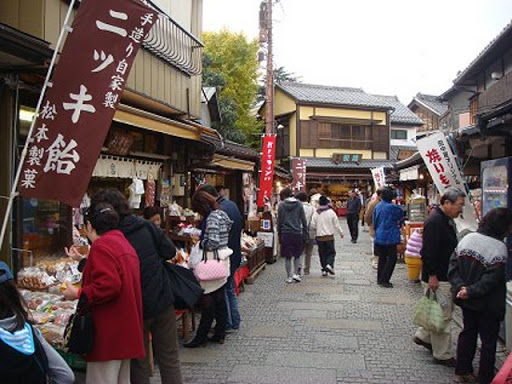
point(111, 286)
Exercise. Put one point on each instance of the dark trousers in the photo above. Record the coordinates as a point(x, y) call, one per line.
point(165, 347)
point(487, 325)
point(387, 262)
point(326, 252)
point(353, 225)
point(213, 306)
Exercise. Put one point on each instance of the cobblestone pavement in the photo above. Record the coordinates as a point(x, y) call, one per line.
point(324, 330)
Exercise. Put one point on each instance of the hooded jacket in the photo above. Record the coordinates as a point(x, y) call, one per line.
point(291, 218)
point(23, 340)
point(152, 246)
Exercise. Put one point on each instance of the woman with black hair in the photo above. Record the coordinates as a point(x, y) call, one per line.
point(152, 247)
point(25, 355)
point(477, 276)
point(215, 227)
point(111, 288)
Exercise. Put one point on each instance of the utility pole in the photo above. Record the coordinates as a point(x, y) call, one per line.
point(266, 37)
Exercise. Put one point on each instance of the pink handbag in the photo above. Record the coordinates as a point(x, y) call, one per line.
point(211, 268)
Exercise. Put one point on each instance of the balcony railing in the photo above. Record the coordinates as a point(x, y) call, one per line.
point(173, 44)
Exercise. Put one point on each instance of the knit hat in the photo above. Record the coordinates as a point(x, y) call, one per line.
point(323, 200)
point(7, 274)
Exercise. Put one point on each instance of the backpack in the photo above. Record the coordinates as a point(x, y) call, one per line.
point(19, 368)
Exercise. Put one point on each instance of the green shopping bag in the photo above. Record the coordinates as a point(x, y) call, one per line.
point(428, 313)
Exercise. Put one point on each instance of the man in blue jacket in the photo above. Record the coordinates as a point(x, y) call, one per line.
point(233, 315)
point(387, 219)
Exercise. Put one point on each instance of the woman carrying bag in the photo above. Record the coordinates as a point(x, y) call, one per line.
point(213, 251)
point(111, 289)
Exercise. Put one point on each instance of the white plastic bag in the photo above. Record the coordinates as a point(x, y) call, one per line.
point(196, 254)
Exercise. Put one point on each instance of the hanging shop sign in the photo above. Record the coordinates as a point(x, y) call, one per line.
point(440, 161)
point(379, 177)
point(125, 168)
point(410, 173)
point(299, 175)
point(79, 106)
point(346, 158)
point(267, 170)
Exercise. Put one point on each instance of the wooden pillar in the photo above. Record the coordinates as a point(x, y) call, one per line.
point(7, 116)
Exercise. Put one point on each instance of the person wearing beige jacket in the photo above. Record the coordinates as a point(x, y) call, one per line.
point(324, 224)
point(368, 218)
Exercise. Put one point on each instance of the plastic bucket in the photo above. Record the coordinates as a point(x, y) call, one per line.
point(413, 267)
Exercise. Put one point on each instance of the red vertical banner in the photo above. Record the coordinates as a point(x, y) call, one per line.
point(267, 169)
point(299, 175)
point(78, 108)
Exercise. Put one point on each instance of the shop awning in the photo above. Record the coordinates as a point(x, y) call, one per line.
point(233, 163)
point(146, 120)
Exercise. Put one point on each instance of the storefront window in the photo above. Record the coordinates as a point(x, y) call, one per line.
point(45, 226)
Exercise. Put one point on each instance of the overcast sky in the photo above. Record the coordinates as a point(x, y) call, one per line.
point(389, 47)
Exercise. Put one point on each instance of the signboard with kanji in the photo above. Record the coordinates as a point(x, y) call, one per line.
point(438, 157)
point(346, 158)
point(299, 175)
point(78, 108)
point(379, 177)
point(267, 170)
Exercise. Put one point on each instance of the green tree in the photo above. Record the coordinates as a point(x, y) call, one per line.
point(281, 75)
point(230, 63)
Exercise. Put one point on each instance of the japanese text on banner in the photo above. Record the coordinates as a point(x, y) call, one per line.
point(267, 170)
point(299, 175)
point(441, 164)
point(79, 107)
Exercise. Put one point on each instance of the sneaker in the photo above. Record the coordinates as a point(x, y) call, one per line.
point(289, 280)
point(297, 278)
point(324, 273)
point(330, 269)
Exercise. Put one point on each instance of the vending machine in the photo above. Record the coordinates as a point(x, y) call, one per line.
point(496, 192)
point(496, 178)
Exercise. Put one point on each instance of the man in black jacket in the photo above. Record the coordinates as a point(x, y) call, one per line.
point(233, 314)
point(152, 247)
point(353, 209)
point(439, 242)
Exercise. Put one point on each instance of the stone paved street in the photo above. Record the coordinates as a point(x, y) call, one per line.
point(324, 330)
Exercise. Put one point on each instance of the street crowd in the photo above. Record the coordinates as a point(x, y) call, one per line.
point(128, 292)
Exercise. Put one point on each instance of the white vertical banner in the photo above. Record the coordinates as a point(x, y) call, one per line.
point(379, 177)
point(440, 161)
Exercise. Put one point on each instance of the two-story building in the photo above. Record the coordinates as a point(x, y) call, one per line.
point(430, 110)
point(404, 127)
point(155, 120)
point(341, 132)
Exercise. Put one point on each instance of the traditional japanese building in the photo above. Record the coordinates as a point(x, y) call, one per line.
point(154, 127)
point(341, 132)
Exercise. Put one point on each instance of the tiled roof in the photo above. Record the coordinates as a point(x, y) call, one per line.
point(401, 114)
point(323, 94)
point(395, 149)
point(488, 49)
point(315, 162)
point(433, 103)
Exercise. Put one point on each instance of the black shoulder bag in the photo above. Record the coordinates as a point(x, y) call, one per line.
point(80, 330)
